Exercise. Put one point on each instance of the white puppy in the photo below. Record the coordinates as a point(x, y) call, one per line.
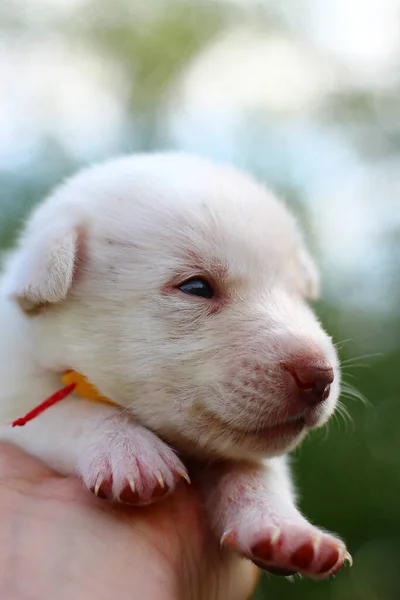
point(178, 288)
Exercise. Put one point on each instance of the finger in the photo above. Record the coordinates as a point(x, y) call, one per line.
point(242, 581)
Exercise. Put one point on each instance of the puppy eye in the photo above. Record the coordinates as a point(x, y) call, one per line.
point(197, 287)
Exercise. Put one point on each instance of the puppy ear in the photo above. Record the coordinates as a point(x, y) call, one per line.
point(309, 275)
point(42, 270)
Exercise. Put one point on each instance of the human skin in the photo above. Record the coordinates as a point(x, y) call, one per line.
point(58, 541)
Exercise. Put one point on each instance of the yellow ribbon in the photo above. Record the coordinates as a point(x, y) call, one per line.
point(84, 388)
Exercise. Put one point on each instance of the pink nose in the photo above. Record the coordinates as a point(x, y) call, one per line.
point(313, 381)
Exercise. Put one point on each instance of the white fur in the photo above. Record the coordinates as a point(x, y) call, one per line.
point(96, 272)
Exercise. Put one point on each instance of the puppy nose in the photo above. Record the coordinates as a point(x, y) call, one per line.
point(313, 381)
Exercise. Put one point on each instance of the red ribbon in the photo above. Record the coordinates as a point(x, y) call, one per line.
point(56, 397)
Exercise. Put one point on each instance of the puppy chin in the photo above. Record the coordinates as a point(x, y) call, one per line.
point(223, 442)
point(212, 435)
point(264, 445)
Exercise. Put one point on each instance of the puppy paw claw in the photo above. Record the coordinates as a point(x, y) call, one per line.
point(275, 535)
point(160, 480)
point(131, 482)
point(265, 549)
point(184, 475)
point(99, 481)
point(348, 559)
point(227, 538)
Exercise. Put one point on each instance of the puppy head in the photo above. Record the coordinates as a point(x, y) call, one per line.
point(180, 288)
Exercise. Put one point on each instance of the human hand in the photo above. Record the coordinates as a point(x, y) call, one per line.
point(59, 541)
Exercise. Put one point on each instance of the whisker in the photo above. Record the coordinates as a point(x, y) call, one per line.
point(341, 343)
point(355, 366)
point(348, 361)
point(339, 420)
point(344, 372)
point(349, 391)
point(326, 427)
point(346, 416)
point(123, 409)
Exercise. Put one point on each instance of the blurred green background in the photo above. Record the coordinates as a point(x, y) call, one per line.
point(306, 96)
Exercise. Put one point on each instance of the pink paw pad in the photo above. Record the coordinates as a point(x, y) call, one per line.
point(295, 550)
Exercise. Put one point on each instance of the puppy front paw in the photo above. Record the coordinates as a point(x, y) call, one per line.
point(289, 546)
point(127, 463)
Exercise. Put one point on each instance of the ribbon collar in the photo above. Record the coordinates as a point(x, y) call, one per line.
point(73, 382)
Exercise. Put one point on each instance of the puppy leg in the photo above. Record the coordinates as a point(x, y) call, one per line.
point(115, 457)
point(253, 512)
